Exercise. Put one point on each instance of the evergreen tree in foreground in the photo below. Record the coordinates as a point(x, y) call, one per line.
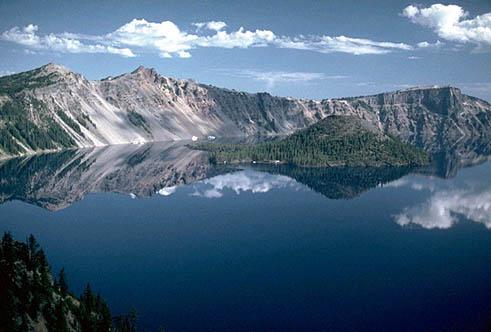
point(62, 283)
point(29, 296)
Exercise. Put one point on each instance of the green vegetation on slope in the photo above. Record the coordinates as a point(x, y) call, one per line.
point(138, 120)
point(27, 80)
point(27, 121)
point(30, 298)
point(17, 123)
point(333, 141)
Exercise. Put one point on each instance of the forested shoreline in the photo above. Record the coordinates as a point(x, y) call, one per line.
point(32, 299)
point(333, 141)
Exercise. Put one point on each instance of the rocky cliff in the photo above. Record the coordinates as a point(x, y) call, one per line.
point(51, 108)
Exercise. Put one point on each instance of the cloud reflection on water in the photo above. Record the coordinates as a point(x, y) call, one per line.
point(446, 204)
point(243, 181)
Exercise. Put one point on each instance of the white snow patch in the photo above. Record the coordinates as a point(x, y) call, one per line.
point(167, 191)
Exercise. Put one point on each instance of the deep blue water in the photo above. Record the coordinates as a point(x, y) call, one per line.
point(255, 251)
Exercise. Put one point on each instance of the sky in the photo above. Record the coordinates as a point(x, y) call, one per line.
point(303, 49)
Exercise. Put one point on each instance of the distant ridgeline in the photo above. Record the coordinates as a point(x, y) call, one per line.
point(52, 108)
point(333, 141)
point(32, 300)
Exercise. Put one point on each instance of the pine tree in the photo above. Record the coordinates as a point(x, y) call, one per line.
point(60, 321)
point(27, 293)
point(62, 283)
point(8, 248)
point(33, 248)
point(127, 323)
point(104, 320)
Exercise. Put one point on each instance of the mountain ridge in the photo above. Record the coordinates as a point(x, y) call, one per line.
point(52, 108)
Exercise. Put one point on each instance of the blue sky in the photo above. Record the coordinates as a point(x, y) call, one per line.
point(309, 49)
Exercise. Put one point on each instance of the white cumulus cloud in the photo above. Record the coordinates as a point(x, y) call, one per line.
point(241, 38)
point(165, 37)
point(452, 22)
point(211, 25)
point(167, 40)
point(28, 36)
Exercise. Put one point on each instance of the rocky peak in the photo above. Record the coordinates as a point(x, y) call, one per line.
point(145, 72)
point(56, 73)
point(150, 75)
point(171, 109)
point(54, 68)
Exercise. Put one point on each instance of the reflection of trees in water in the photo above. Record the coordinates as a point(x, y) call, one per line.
point(56, 180)
point(339, 182)
point(22, 176)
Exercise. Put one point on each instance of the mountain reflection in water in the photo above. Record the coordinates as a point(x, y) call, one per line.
point(197, 247)
point(56, 180)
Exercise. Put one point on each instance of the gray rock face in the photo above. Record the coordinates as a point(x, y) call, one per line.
point(56, 108)
point(56, 180)
point(433, 118)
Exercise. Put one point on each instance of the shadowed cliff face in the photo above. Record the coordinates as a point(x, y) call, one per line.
point(56, 180)
point(51, 108)
point(433, 118)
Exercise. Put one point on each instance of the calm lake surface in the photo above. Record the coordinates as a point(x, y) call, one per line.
point(196, 248)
